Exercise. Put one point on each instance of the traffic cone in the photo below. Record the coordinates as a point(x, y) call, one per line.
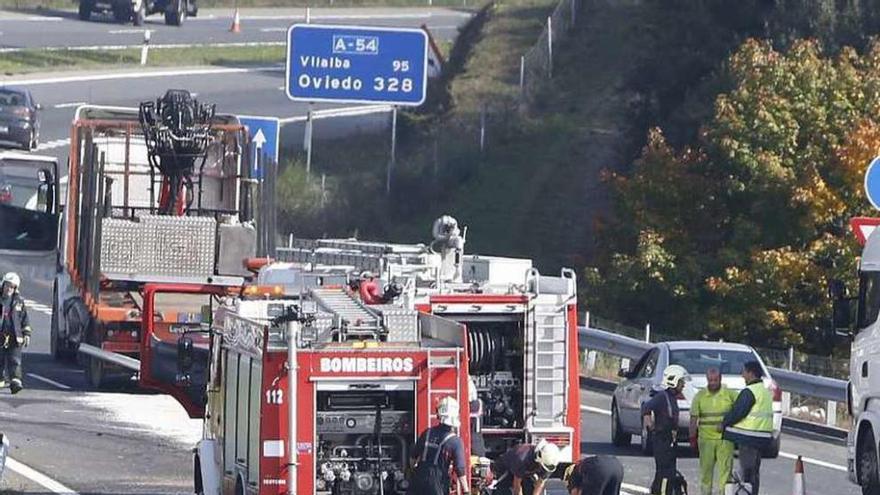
point(236, 23)
point(798, 485)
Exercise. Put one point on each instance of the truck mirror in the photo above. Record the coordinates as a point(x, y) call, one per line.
point(836, 289)
point(840, 313)
point(184, 354)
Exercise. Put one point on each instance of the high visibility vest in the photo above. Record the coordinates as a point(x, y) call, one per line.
point(760, 418)
point(710, 410)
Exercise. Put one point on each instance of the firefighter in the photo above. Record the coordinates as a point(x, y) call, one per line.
point(708, 409)
point(595, 475)
point(369, 289)
point(749, 424)
point(438, 448)
point(525, 464)
point(660, 416)
point(15, 331)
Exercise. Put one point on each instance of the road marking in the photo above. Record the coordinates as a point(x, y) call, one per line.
point(37, 306)
point(817, 462)
point(274, 30)
point(808, 460)
point(126, 31)
point(596, 410)
point(143, 74)
point(70, 105)
point(51, 145)
point(138, 45)
point(50, 382)
point(38, 477)
point(32, 19)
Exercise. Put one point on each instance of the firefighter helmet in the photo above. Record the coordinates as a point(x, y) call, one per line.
point(367, 275)
point(673, 374)
point(448, 412)
point(12, 279)
point(547, 455)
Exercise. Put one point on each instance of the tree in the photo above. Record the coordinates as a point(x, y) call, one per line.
point(750, 220)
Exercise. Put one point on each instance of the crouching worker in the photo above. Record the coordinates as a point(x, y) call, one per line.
point(596, 475)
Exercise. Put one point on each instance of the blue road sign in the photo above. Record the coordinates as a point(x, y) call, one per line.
point(872, 183)
point(264, 133)
point(357, 64)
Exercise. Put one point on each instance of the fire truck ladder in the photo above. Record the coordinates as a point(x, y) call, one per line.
point(442, 360)
point(355, 319)
point(549, 395)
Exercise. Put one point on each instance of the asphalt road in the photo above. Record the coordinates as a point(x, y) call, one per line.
point(58, 29)
point(825, 463)
point(85, 441)
point(134, 442)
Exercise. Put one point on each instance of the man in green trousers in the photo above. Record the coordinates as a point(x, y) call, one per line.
point(716, 454)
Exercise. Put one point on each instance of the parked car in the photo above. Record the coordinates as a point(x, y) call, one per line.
point(19, 122)
point(134, 11)
point(643, 379)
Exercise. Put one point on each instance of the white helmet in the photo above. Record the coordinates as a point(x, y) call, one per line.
point(367, 274)
point(673, 374)
point(547, 455)
point(13, 279)
point(448, 412)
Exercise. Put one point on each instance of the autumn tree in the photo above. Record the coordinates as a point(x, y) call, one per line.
point(737, 235)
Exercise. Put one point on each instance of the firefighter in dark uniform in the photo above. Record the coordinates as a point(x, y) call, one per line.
point(524, 468)
point(594, 475)
point(660, 416)
point(438, 448)
point(15, 331)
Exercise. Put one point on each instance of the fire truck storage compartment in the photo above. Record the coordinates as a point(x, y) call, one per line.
point(352, 452)
point(496, 349)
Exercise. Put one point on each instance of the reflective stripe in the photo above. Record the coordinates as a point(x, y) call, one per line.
point(750, 433)
point(709, 408)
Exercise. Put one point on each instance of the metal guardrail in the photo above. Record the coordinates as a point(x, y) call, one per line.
point(795, 382)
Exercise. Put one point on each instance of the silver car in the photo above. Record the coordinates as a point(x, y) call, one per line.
point(644, 378)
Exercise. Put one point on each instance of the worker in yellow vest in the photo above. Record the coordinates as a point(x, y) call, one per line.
point(708, 409)
point(750, 423)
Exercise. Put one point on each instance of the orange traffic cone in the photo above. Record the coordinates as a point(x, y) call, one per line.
point(236, 23)
point(798, 485)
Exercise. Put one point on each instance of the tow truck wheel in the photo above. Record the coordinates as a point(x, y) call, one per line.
point(57, 348)
point(95, 373)
point(85, 9)
point(868, 469)
point(175, 13)
point(137, 17)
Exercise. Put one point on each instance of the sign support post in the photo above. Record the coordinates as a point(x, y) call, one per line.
point(392, 162)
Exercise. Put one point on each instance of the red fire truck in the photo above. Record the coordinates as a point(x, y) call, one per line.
point(341, 391)
point(309, 394)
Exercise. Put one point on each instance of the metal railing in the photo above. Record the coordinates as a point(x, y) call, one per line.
point(537, 63)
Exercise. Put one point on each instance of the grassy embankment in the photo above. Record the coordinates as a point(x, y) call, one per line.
point(34, 60)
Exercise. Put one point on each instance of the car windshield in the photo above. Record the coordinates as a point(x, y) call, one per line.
point(11, 98)
point(698, 361)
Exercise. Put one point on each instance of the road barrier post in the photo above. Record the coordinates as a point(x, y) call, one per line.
point(550, 47)
point(831, 413)
point(647, 332)
point(146, 48)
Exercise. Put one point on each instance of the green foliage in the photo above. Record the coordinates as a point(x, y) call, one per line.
point(736, 236)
